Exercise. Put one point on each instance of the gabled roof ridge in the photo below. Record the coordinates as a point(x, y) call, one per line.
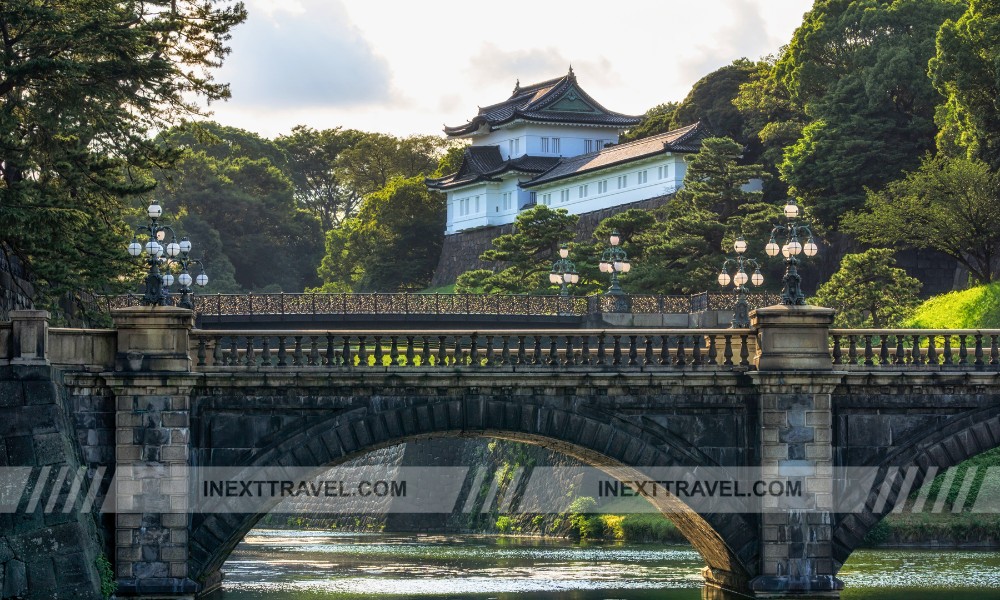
point(646, 140)
point(534, 87)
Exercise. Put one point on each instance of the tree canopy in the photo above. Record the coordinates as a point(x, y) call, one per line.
point(83, 85)
point(320, 187)
point(948, 204)
point(711, 101)
point(523, 258)
point(235, 183)
point(966, 70)
point(393, 244)
point(858, 70)
point(869, 291)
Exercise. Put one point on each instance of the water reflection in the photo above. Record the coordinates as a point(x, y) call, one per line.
point(282, 565)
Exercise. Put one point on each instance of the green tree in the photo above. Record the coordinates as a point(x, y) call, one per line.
point(399, 235)
point(678, 249)
point(966, 70)
point(869, 291)
point(523, 258)
point(312, 159)
point(711, 102)
point(948, 204)
point(376, 158)
point(771, 117)
point(859, 70)
point(655, 120)
point(82, 85)
point(714, 179)
point(238, 192)
point(682, 252)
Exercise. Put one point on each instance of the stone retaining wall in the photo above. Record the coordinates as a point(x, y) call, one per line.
point(461, 251)
point(48, 549)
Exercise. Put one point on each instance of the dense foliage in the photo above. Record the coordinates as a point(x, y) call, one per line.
point(947, 204)
point(879, 115)
point(869, 291)
point(82, 87)
point(522, 260)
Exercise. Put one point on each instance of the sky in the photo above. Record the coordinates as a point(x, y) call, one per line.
point(410, 67)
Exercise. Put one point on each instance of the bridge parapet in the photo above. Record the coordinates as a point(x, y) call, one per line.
point(726, 349)
point(915, 349)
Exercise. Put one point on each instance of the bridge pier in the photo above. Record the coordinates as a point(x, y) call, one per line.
point(152, 386)
point(795, 383)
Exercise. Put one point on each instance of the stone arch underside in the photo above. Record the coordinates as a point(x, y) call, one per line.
point(727, 542)
point(946, 445)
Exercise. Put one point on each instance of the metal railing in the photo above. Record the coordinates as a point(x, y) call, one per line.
point(220, 305)
point(719, 349)
point(973, 349)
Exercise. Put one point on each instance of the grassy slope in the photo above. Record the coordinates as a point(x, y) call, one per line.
point(974, 308)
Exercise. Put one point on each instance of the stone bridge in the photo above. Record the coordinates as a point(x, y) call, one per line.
point(787, 395)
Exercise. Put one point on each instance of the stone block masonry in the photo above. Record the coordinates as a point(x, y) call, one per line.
point(44, 548)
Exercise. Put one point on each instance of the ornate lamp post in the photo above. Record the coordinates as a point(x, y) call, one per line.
point(741, 316)
point(563, 271)
point(184, 278)
point(791, 293)
point(614, 260)
point(157, 282)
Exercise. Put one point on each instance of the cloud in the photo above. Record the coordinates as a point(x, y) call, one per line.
point(492, 64)
point(287, 57)
point(745, 35)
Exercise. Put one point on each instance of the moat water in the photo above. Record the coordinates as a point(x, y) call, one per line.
point(300, 565)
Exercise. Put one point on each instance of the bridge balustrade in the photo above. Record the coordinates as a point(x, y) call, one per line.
point(676, 348)
point(860, 349)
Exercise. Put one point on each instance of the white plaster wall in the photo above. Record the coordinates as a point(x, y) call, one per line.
point(457, 221)
point(572, 139)
point(492, 213)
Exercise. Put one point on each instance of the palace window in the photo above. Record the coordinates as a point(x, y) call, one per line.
point(564, 195)
point(545, 145)
point(622, 181)
point(555, 145)
point(507, 200)
point(514, 146)
point(583, 191)
point(661, 172)
point(602, 187)
point(532, 198)
point(642, 177)
point(547, 199)
point(589, 145)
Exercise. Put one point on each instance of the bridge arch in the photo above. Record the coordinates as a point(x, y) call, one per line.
point(727, 542)
point(931, 450)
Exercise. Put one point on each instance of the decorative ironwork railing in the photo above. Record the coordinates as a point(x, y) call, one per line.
point(915, 348)
point(444, 304)
point(719, 349)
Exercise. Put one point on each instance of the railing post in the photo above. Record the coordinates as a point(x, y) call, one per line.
point(792, 338)
point(29, 338)
point(153, 338)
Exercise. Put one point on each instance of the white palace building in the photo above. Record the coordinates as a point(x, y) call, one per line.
point(551, 143)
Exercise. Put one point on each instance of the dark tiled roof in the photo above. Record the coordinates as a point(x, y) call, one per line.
point(484, 163)
point(541, 102)
point(685, 139)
